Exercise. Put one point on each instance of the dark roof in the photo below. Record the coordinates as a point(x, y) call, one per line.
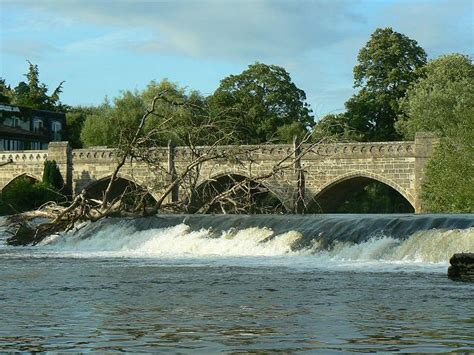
point(35, 112)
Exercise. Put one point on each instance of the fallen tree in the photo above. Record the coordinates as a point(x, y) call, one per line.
point(139, 146)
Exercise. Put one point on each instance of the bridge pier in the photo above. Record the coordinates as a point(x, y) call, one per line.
point(425, 143)
point(61, 153)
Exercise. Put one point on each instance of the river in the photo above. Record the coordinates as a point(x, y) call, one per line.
point(206, 284)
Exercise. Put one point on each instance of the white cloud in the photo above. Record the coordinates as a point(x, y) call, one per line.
point(28, 49)
point(235, 29)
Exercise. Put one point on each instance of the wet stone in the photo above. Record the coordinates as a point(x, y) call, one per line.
point(462, 267)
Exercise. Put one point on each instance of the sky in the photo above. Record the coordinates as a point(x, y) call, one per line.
point(101, 47)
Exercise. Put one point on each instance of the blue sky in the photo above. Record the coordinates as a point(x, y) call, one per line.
point(100, 47)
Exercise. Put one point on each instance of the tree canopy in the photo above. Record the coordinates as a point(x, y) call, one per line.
point(75, 118)
point(259, 105)
point(179, 117)
point(262, 104)
point(443, 102)
point(32, 93)
point(387, 65)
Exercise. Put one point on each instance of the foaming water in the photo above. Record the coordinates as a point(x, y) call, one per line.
point(177, 241)
point(427, 250)
point(239, 284)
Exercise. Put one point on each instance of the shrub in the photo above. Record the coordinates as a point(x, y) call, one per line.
point(25, 194)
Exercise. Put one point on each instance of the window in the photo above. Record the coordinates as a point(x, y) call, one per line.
point(37, 125)
point(13, 144)
point(36, 145)
point(56, 130)
point(15, 122)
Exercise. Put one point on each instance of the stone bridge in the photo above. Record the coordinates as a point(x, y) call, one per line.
point(324, 173)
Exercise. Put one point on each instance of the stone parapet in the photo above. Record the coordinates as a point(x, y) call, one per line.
point(400, 165)
point(360, 150)
point(31, 156)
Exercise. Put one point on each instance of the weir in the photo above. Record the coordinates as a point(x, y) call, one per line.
point(400, 165)
point(324, 239)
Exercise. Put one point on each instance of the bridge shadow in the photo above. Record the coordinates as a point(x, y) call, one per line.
point(359, 194)
point(131, 193)
point(234, 194)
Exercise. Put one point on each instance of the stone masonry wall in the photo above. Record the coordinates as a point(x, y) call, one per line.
point(15, 164)
point(398, 164)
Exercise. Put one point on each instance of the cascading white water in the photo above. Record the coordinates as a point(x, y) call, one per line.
point(431, 246)
point(180, 241)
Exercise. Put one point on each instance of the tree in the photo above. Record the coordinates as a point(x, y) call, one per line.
point(387, 65)
point(34, 94)
point(6, 92)
point(75, 118)
point(178, 115)
point(263, 104)
point(333, 127)
point(443, 102)
point(25, 194)
point(52, 176)
point(112, 122)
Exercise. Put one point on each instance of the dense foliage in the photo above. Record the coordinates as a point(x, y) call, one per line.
point(178, 116)
point(25, 194)
point(387, 65)
point(263, 105)
point(443, 102)
point(75, 118)
point(52, 176)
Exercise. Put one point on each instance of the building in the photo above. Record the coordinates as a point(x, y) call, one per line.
point(24, 128)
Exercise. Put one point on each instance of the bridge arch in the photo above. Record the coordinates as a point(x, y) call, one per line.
point(97, 187)
point(224, 177)
point(331, 194)
point(32, 177)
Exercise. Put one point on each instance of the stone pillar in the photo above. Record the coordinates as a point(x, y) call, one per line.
point(425, 143)
point(61, 153)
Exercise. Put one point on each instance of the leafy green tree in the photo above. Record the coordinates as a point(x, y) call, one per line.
point(98, 129)
point(33, 93)
point(262, 104)
point(25, 194)
point(439, 101)
point(181, 117)
point(113, 123)
point(443, 102)
point(75, 118)
point(177, 116)
point(52, 176)
point(333, 127)
point(387, 65)
point(6, 92)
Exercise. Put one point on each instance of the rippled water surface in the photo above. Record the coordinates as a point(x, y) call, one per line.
point(134, 292)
